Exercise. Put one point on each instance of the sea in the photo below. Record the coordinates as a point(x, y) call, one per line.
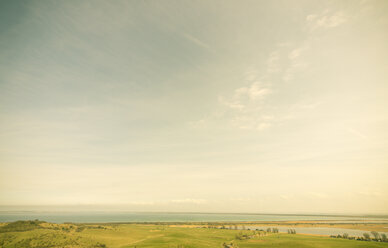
point(131, 217)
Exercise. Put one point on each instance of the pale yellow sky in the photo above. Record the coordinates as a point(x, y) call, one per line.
point(221, 106)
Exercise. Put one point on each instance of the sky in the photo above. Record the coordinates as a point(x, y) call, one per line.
point(203, 106)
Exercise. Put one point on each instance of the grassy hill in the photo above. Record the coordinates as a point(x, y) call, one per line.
point(42, 234)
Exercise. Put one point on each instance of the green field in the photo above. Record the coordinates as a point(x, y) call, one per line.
point(41, 234)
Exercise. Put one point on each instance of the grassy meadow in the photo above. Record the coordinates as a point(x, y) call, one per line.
point(41, 234)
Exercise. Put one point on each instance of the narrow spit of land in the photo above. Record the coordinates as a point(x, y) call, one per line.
point(172, 235)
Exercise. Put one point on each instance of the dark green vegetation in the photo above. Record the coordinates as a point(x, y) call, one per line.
point(21, 226)
point(42, 234)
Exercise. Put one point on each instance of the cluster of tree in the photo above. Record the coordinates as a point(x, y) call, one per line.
point(291, 231)
point(242, 236)
point(376, 236)
point(365, 237)
point(230, 245)
point(344, 236)
point(96, 227)
point(80, 228)
point(273, 230)
point(235, 227)
point(212, 226)
point(99, 245)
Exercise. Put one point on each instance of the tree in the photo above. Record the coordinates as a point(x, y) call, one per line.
point(376, 235)
point(366, 236)
point(345, 235)
point(384, 237)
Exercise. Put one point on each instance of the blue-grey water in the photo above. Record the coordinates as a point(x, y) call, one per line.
point(101, 217)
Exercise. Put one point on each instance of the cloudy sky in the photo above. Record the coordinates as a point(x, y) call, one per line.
point(238, 106)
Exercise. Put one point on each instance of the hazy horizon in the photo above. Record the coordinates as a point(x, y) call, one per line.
point(195, 106)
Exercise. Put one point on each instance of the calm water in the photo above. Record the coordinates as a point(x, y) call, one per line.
point(89, 217)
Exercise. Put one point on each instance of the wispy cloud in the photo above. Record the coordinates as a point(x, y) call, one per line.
point(294, 54)
point(243, 109)
point(245, 96)
point(253, 92)
point(296, 61)
point(326, 20)
point(245, 103)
